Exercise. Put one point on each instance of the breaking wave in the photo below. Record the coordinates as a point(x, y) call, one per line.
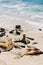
point(31, 10)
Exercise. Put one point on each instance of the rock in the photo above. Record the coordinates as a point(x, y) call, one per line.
point(18, 32)
point(30, 38)
point(22, 46)
point(23, 40)
point(40, 29)
point(11, 32)
point(18, 29)
point(35, 43)
point(2, 32)
point(2, 29)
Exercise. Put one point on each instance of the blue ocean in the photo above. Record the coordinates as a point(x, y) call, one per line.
point(31, 10)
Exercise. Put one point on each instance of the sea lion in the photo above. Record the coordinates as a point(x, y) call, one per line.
point(31, 51)
point(6, 45)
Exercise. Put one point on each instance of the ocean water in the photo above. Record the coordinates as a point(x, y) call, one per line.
point(31, 10)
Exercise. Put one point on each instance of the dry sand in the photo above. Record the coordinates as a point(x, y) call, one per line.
point(8, 58)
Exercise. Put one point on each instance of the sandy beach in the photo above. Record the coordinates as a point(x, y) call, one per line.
point(31, 30)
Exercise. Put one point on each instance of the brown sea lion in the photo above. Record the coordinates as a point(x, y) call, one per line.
point(8, 45)
point(31, 51)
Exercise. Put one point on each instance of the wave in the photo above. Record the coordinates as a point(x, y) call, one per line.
point(19, 1)
point(31, 10)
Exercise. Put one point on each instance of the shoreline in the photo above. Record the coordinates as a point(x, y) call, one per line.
point(27, 21)
point(10, 23)
point(34, 23)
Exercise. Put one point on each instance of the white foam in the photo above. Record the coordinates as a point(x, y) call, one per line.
point(23, 10)
point(34, 23)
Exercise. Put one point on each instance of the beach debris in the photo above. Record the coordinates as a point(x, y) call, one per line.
point(30, 38)
point(18, 29)
point(40, 29)
point(30, 51)
point(2, 32)
point(11, 32)
point(22, 46)
point(23, 40)
point(2, 29)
